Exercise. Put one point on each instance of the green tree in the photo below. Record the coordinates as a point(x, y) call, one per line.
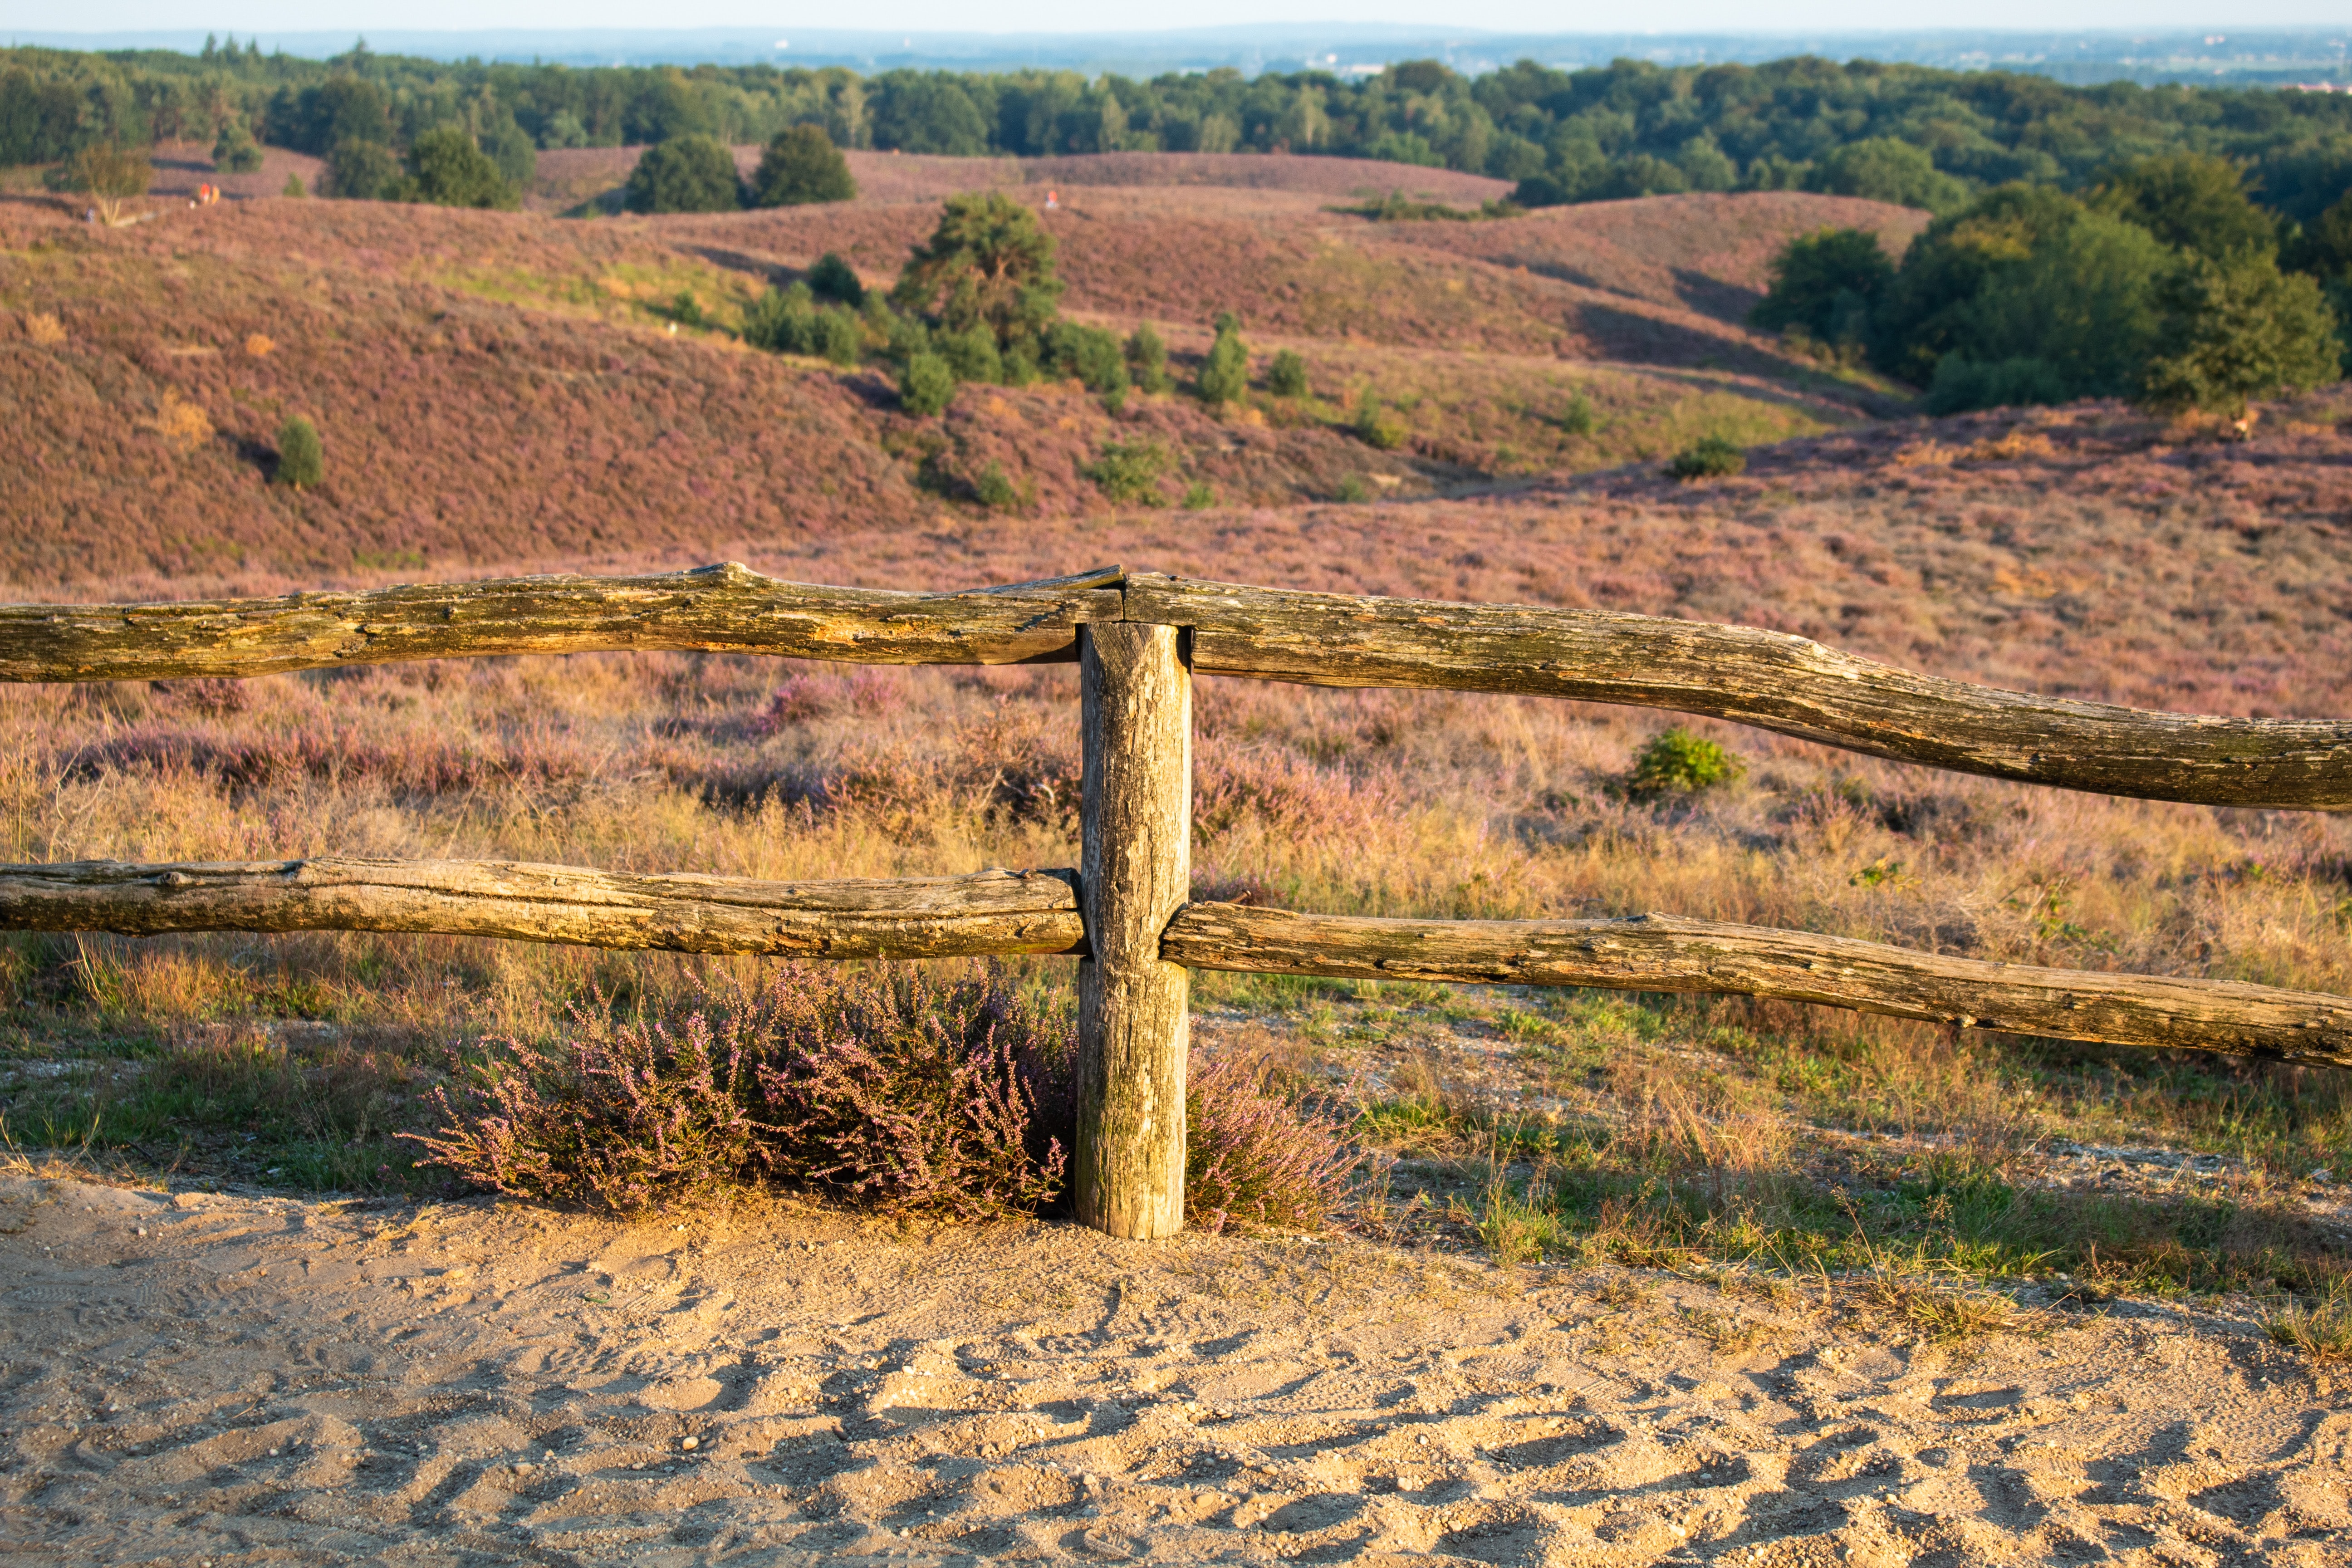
point(2237, 329)
point(1147, 358)
point(2191, 201)
point(302, 460)
point(235, 151)
point(802, 166)
point(689, 174)
point(1224, 374)
point(447, 170)
point(990, 262)
point(927, 385)
point(1825, 284)
point(361, 171)
point(834, 279)
point(1882, 169)
point(1286, 376)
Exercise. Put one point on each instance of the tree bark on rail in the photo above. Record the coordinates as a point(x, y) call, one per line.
point(716, 609)
point(942, 917)
point(1126, 1173)
point(1769, 679)
point(1661, 952)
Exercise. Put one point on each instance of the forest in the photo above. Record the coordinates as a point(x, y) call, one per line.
point(1922, 137)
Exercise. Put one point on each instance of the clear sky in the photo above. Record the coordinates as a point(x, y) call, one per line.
point(245, 16)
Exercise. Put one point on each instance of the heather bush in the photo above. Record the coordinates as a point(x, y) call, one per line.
point(1251, 1157)
point(1677, 761)
point(1710, 457)
point(302, 460)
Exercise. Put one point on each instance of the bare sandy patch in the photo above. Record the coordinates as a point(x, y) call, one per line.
point(239, 1378)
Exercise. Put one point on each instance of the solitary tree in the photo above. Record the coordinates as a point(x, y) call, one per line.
point(360, 170)
point(802, 166)
point(1224, 374)
point(445, 168)
point(110, 177)
point(690, 173)
point(990, 262)
point(234, 151)
point(301, 461)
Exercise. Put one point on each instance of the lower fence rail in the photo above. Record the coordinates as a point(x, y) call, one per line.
point(1037, 911)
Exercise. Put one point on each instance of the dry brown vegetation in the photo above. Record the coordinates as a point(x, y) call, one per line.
point(504, 390)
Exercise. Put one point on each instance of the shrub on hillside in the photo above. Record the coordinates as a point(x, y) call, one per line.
point(790, 322)
point(801, 167)
point(1824, 285)
point(1677, 761)
point(447, 169)
point(927, 385)
point(956, 1098)
point(235, 151)
point(1146, 360)
point(361, 169)
point(1224, 374)
point(1131, 471)
point(109, 175)
point(834, 279)
point(690, 173)
point(1286, 376)
point(302, 459)
point(1710, 457)
point(988, 263)
point(1094, 357)
point(1578, 418)
point(1377, 425)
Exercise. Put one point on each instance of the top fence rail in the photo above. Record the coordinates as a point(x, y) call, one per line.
point(1770, 680)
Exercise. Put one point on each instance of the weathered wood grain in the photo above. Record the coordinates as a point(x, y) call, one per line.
point(719, 609)
point(1661, 952)
point(1126, 1172)
point(1769, 680)
point(945, 916)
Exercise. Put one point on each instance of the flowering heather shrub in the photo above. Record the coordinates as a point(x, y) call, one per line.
point(1251, 1157)
point(619, 1116)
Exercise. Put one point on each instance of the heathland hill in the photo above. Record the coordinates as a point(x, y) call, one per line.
point(495, 388)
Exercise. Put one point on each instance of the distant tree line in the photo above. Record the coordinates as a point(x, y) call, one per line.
point(2164, 283)
point(1922, 137)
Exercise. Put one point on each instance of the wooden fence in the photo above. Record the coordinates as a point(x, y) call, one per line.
point(1126, 910)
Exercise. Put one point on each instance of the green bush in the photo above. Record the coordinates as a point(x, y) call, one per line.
point(2235, 330)
point(1199, 495)
point(1224, 374)
point(293, 188)
point(447, 170)
point(995, 489)
point(360, 170)
point(1352, 490)
point(691, 174)
point(1962, 383)
point(235, 151)
point(927, 385)
point(1825, 284)
point(971, 354)
point(1679, 762)
point(834, 279)
point(1378, 426)
point(1146, 360)
point(302, 460)
point(1092, 355)
point(1576, 418)
point(799, 167)
point(1286, 377)
point(1131, 471)
point(1710, 457)
point(1882, 169)
point(989, 263)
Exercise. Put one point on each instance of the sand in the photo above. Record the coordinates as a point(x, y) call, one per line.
point(236, 1378)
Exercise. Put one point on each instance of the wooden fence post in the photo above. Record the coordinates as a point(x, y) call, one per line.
point(1135, 871)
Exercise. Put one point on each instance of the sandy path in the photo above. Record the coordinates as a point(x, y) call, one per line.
point(263, 1380)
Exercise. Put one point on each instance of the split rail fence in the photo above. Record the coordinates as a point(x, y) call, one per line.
point(1126, 910)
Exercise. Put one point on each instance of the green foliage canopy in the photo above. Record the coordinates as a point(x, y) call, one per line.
point(801, 167)
point(687, 174)
point(989, 263)
point(1824, 285)
point(447, 169)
